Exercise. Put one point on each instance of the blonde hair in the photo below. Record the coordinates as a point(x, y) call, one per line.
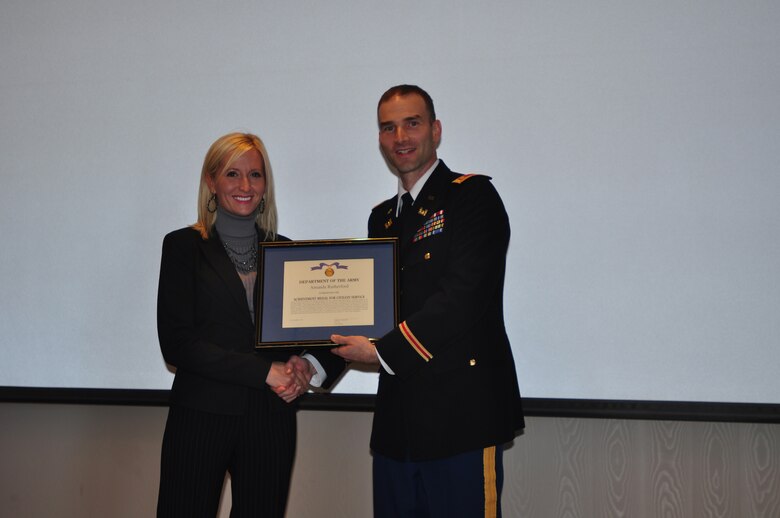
point(220, 156)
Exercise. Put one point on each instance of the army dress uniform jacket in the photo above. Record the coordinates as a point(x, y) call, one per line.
point(454, 387)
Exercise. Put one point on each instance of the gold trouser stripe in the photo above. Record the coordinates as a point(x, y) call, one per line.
point(491, 492)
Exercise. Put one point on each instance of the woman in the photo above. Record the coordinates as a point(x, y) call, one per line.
point(230, 407)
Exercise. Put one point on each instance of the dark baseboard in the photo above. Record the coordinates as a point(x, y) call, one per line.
point(534, 407)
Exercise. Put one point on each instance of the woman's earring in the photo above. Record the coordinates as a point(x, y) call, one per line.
point(208, 205)
point(261, 206)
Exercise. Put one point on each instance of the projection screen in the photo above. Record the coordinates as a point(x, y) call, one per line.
point(635, 145)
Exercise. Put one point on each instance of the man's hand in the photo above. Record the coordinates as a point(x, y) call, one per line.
point(288, 380)
point(302, 371)
point(355, 349)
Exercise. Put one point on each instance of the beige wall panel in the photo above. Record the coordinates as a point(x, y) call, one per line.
point(95, 461)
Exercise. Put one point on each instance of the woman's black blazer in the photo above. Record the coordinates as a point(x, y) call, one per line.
point(206, 331)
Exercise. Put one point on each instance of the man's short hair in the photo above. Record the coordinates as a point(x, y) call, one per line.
point(403, 90)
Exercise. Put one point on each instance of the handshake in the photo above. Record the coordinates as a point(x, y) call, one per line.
point(290, 380)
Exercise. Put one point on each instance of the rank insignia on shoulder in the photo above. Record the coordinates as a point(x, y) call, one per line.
point(462, 178)
point(389, 209)
point(388, 224)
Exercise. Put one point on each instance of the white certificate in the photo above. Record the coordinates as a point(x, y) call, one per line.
point(328, 293)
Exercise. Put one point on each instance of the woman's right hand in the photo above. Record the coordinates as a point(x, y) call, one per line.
point(282, 381)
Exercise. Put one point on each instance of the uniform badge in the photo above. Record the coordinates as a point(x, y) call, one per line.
point(432, 226)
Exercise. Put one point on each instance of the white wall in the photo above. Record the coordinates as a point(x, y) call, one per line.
point(634, 143)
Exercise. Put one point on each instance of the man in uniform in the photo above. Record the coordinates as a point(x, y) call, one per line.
point(448, 398)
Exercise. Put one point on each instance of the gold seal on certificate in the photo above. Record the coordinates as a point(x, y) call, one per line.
point(309, 290)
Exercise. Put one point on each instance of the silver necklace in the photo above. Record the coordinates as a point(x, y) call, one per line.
point(245, 262)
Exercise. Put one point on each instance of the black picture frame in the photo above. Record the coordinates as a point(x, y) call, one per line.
point(269, 300)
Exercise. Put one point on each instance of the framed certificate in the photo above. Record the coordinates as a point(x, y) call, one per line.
point(308, 290)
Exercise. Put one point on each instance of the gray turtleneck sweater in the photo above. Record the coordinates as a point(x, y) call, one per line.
point(239, 239)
